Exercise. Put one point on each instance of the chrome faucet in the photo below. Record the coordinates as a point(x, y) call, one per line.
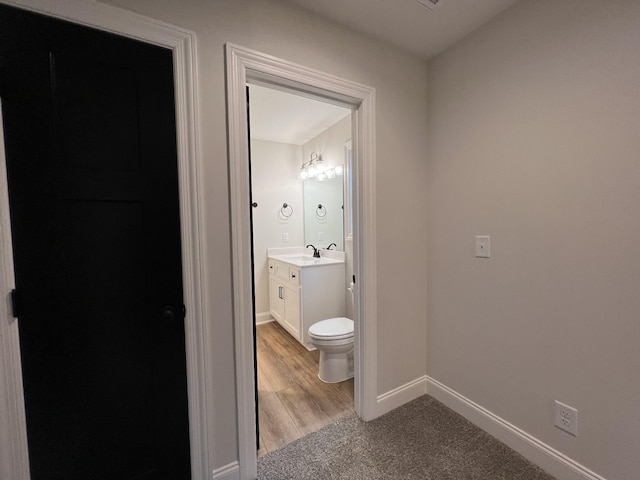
point(332, 245)
point(316, 252)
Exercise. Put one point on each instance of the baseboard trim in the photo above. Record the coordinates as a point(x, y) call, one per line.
point(228, 472)
point(533, 449)
point(399, 396)
point(264, 317)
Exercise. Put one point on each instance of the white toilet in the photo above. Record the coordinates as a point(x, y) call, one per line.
point(334, 338)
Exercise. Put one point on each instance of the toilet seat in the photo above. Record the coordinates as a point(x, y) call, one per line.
point(339, 328)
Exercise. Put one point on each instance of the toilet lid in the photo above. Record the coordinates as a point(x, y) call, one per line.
point(339, 327)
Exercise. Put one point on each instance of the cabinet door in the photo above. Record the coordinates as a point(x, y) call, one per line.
point(292, 310)
point(276, 299)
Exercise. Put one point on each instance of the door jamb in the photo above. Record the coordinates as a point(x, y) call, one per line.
point(245, 65)
point(183, 45)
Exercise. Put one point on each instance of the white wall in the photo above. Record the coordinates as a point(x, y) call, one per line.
point(274, 181)
point(533, 139)
point(284, 31)
point(331, 144)
point(321, 231)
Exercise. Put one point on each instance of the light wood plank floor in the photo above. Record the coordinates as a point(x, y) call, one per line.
point(292, 400)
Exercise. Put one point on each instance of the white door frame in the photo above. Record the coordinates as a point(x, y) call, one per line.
point(13, 439)
point(244, 65)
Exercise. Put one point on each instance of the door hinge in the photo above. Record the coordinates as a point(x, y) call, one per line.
point(14, 303)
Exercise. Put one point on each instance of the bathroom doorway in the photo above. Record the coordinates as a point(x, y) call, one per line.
point(249, 66)
point(300, 153)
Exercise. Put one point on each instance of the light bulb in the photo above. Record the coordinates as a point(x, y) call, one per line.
point(338, 170)
point(303, 174)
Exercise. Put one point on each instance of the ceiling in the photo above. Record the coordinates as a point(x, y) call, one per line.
point(407, 24)
point(283, 117)
point(278, 116)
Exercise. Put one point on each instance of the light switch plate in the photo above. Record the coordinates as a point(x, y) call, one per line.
point(285, 238)
point(483, 246)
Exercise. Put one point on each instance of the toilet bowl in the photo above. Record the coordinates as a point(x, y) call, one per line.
point(334, 338)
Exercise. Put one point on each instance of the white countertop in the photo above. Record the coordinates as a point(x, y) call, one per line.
point(299, 257)
point(305, 260)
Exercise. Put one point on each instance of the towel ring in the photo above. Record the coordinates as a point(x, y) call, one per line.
point(286, 210)
point(321, 211)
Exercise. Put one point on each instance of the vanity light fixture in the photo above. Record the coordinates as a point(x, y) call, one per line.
point(315, 169)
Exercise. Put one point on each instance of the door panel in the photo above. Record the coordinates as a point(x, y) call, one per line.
point(107, 141)
point(93, 192)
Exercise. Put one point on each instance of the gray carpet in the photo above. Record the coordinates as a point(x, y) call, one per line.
point(420, 440)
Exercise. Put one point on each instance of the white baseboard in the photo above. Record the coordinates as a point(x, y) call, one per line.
point(264, 317)
point(399, 396)
point(536, 451)
point(228, 472)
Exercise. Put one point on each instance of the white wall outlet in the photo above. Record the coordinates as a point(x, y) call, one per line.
point(285, 238)
point(483, 246)
point(566, 418)
point(321, 236)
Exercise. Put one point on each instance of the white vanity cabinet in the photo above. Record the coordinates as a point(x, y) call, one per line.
point(302, 293)
point(284, 296)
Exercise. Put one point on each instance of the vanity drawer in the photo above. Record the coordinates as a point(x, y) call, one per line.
point(279, 270)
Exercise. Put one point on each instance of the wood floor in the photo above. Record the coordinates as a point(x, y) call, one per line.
point(292, 401)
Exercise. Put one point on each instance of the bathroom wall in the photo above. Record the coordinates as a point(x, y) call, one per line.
point(330, 144)
point(533, 140)
point(274, 181)
point(323, 231)
point(280, 29)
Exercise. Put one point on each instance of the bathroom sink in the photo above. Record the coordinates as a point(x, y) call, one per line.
point(305, 260)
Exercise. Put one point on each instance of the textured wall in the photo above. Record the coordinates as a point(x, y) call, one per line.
point(533, 132)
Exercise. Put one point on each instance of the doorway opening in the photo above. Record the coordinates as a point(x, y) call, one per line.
point(245, 67)
point(300, 191)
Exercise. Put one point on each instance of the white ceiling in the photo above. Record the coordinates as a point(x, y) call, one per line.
point(407, 24)
point(283, 117)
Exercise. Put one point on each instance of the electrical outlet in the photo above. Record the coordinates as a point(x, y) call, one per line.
point(566, 418)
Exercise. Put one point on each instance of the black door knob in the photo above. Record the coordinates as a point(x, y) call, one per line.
point(168, 314)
